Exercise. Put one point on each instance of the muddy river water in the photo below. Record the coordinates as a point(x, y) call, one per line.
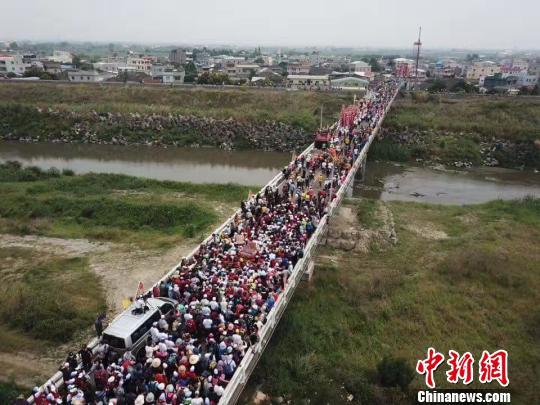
point(386, 181)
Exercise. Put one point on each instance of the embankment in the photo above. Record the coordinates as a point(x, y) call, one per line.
point(226, 118)
point(462, 131)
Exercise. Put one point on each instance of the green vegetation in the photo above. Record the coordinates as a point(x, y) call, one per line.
point(8, 393)
point(515, 119)
point(449, 129)
point(47, 298)
point(461, 277)
point(300, 109)
point(110, 207)
point(386, 149)
point(366, 212)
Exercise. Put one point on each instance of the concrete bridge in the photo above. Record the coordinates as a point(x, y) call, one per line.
point(304, 266)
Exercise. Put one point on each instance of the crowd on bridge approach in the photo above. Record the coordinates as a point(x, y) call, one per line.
point(227, 289)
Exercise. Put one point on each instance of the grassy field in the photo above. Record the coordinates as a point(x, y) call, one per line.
point(108, 207)
point(515, 118)
point(297, 108)
point(45, 297)
point(454, 128)
point(463, 278)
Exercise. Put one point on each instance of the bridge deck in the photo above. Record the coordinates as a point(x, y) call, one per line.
point(340, 181)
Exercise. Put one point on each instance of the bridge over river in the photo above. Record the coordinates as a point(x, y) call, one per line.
point(233, 289)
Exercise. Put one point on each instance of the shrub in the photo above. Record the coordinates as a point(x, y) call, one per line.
point(394, 372)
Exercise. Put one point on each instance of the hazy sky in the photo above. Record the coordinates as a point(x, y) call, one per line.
point(359, 23)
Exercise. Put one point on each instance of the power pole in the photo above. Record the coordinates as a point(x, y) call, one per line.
point(418, 44)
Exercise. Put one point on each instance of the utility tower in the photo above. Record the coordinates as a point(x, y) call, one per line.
point(418, 45)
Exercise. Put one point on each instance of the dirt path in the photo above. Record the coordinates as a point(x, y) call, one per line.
point(121, 269)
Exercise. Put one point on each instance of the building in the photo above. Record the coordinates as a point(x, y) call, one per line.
point(360, 67)
point(86, 76)
point(167, 74)
point(298, 68)
point(446, 68)
point(61, 57)
point(202, 58)
point(178, 56)
point(52, 67)
point(241, 71)
point(225, 60)
point(514, 66)
point(315, 58)
point(308, 82)
point(12, 64)
point(479, 69)
point(404, 67)
point(139, 64)
point(349, 83)
point(526, 80)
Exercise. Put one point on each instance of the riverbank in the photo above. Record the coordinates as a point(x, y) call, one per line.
point(72, 246)
point(462, 131)
point(454, 277)
point(117, 115)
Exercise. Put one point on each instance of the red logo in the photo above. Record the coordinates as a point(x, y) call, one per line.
point(461, 367)
point(494, 367)
point(491, 367)
point(429, 365)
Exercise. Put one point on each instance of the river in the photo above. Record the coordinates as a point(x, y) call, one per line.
point(389, 181)
point(386, 181)
point(197, 165)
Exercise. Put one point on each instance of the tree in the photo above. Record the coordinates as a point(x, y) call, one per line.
point(191, 72)
point(462, 86)
point(259, 61)
point(437, 86)
point(14, 45)
point(76, 61)
point(214, 78)
point(375, 66)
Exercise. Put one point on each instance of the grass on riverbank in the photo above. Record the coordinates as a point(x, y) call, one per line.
point(45, 297)
point(298, 108)
point(109, 207)
point(516, 119)
point(452, 129)
point(463, 278)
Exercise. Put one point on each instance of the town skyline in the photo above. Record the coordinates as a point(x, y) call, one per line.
point(387, 24)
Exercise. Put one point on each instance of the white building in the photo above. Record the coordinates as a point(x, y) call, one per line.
point(361, 67)
point(83, 76)
point(167, 74)
point(62, 57)
point(12, 64)
point(349, 83)
point(227, 60)
point(308, 82)
point(143, 65)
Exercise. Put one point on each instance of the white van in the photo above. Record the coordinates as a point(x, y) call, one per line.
point(128, 331)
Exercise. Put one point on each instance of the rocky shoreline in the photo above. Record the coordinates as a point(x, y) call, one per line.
point(431, 146)
point(31, 124)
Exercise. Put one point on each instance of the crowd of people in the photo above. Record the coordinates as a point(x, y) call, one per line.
point(227, 289)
